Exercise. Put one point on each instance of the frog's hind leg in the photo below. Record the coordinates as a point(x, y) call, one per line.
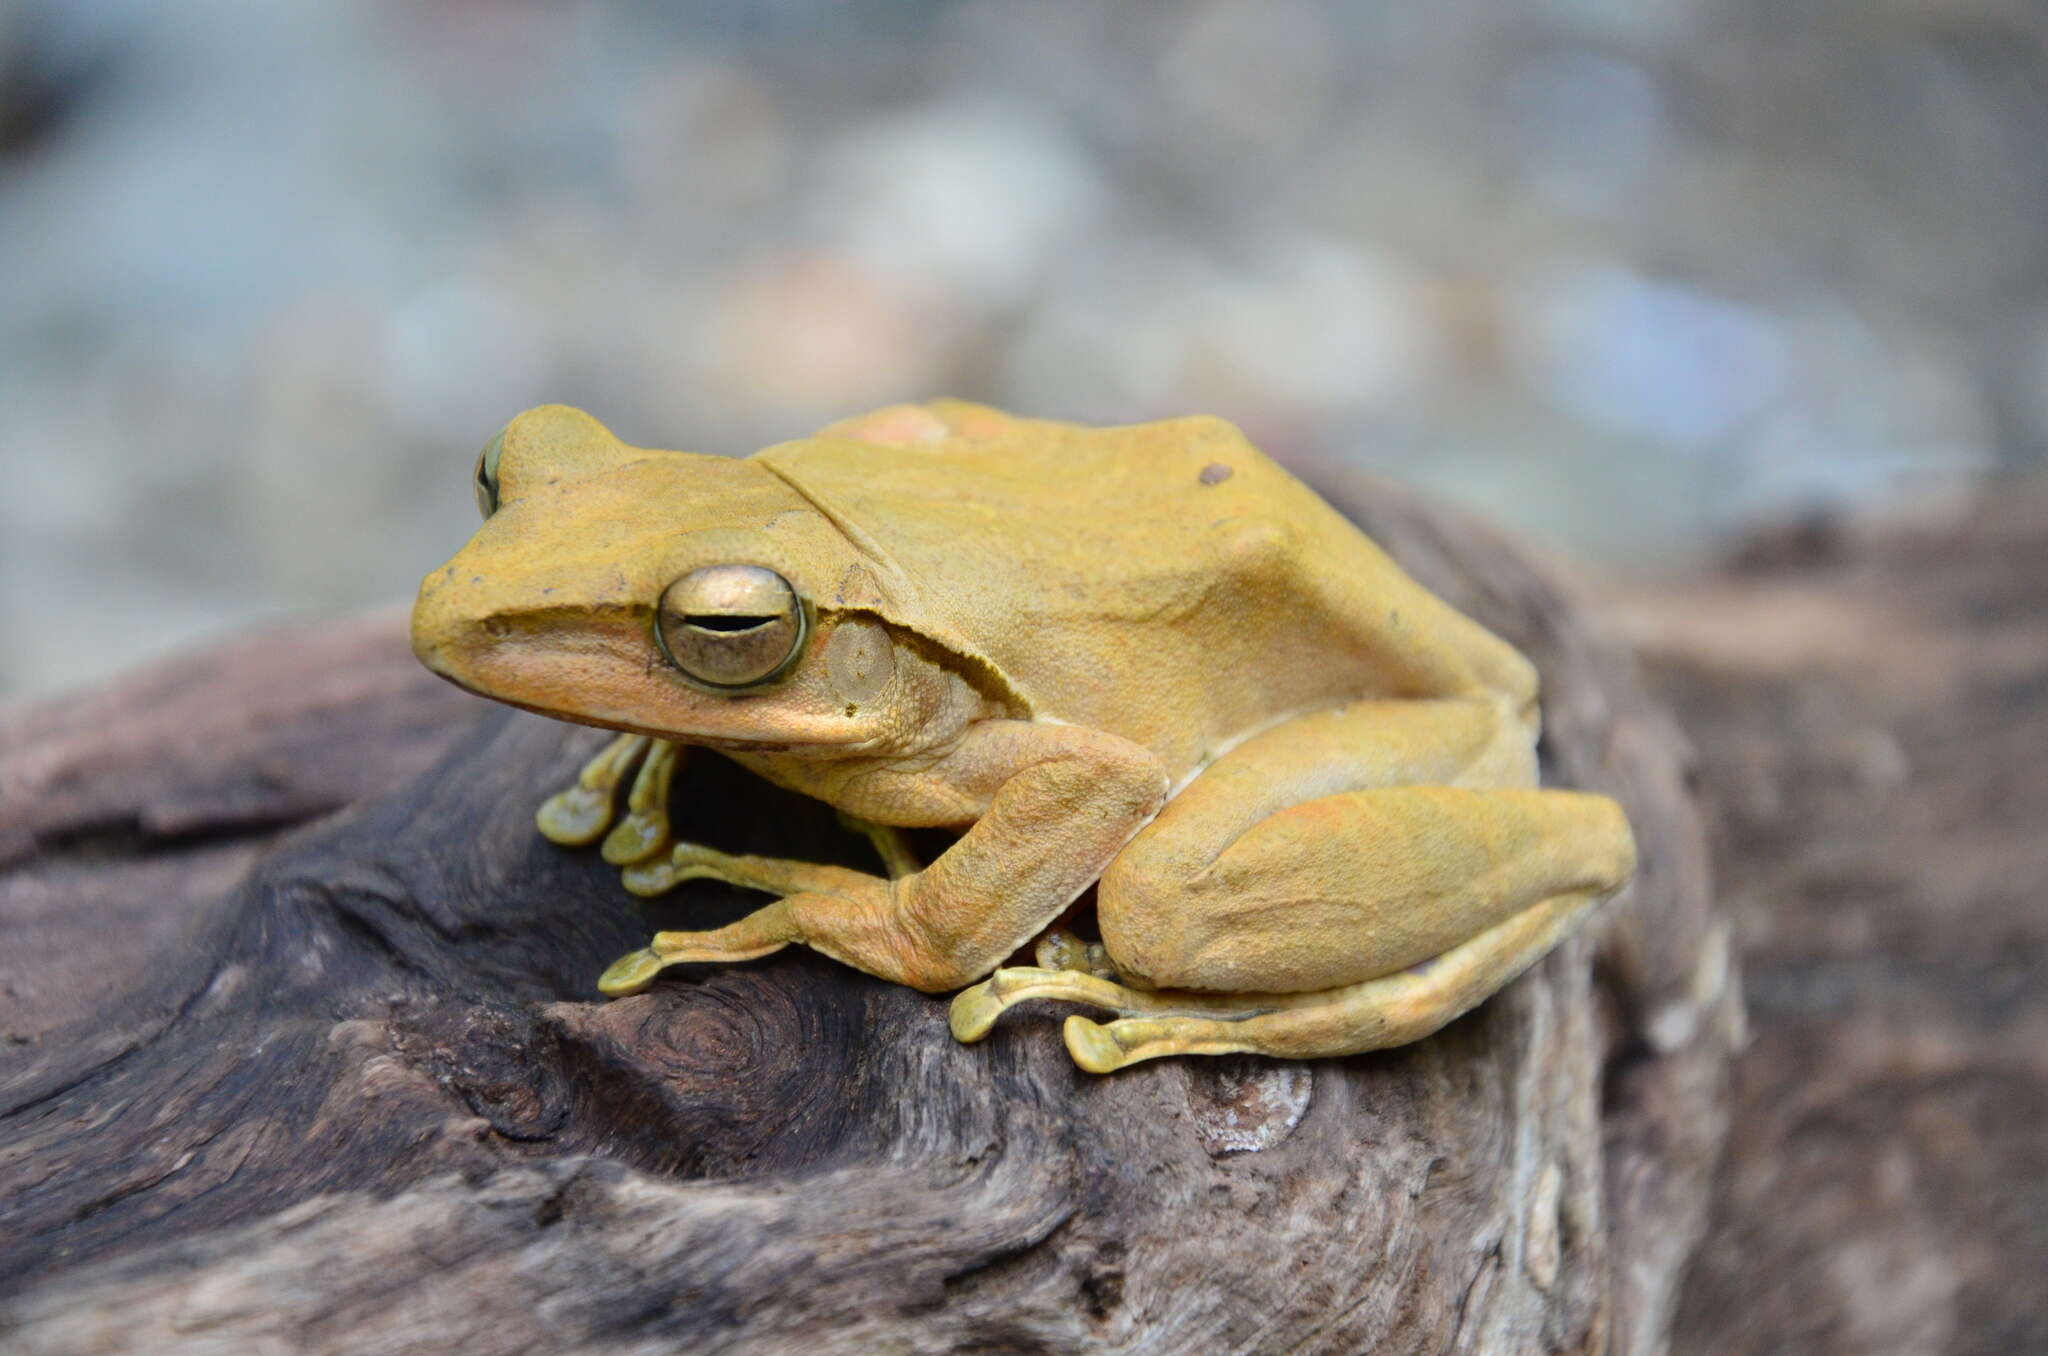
point(1342, 882)
point(1373, 1015)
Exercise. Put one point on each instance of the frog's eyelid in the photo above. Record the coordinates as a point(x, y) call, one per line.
point(486, 474)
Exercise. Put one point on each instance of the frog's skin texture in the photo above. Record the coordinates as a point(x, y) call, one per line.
point(1144, 659)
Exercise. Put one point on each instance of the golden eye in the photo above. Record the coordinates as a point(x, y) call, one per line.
point(730, 625)
point(487, 474)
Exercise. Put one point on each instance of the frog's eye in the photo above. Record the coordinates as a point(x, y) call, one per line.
point(730, 625)
point(487, 474)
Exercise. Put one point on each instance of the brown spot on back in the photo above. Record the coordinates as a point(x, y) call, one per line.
point(1215, 473)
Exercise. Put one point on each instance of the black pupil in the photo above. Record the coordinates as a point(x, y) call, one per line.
point(723, 622)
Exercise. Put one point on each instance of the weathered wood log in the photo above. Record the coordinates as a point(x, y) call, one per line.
point(1870, 705)
point(303, 1054)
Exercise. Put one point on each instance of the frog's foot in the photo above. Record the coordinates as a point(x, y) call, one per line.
point(1060, 949)
point(580, 814)
point(1068, 968)
point(644, 832)
point(630, 973)
point(758, 934)
point(975, 1009)
point(685, 861)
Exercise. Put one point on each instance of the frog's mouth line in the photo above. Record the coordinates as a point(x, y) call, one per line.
point(736, 743)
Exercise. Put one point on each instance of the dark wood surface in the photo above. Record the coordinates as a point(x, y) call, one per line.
point(302, 1054)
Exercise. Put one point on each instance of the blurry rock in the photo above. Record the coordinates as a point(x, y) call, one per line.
point(804, 338)
point(1627, 273)
point(1292, 325)
point(1649, 356)
point(1589, 128)
point(961, 196)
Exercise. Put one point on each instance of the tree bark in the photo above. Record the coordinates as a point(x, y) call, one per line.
point(304, 1056)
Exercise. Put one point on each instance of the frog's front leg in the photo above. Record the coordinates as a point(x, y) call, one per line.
point(891, 844)
point(578, 815)
point(644, 832)
point(1060, 802)
point(1346, 881)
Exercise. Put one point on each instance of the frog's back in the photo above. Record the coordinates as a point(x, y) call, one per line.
point(1166, 581)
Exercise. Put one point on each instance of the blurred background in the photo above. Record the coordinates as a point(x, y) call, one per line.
point(1631, 275)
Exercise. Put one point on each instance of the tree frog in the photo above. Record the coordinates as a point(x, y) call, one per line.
point(1142, 659)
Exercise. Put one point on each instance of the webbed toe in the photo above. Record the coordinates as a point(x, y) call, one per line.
point(630, 974)
point(582, 813)
point(575, 817)
point(637, 837)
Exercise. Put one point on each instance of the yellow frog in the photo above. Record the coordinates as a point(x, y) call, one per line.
point(1143, 659)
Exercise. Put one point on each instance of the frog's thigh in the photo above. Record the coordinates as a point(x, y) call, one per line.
point(1298, 863)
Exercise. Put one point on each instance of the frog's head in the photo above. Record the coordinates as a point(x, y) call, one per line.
point(682, 595)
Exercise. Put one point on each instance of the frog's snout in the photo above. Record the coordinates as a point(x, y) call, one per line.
point(460, 625)
point(549, 647)
point(438, 625)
